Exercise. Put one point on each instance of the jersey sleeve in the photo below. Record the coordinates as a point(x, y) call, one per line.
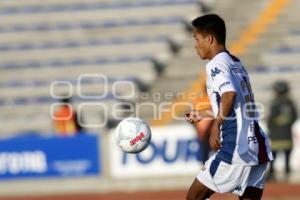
point(221, 77)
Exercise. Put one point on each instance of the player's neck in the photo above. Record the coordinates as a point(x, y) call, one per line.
point(216, 50)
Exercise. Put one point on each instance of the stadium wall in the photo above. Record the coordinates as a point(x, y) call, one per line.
point(93, 163)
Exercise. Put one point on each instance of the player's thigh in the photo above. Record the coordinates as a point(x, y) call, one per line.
point(198, 191)
point(252, 193)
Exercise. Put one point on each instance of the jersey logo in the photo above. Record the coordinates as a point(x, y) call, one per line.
point(252, 139)
point(223, 84)
point(215, 72)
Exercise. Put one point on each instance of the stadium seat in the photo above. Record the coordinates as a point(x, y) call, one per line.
point(88, 85)
point(292, 41)
point(91, 29)
point(286, 56)
point(142, 70)
point(154, 49)
point(96, 11)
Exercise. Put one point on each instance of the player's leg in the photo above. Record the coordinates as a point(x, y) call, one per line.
point(198, 191)
point(271, 175)
point(287, 161)
point(252, 193)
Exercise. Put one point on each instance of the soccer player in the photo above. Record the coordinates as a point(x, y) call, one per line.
point(242, 148)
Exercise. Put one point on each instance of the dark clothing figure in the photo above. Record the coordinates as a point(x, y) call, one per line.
point(205, 148)
point(282, 116)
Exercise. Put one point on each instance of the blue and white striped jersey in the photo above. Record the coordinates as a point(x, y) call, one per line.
point(242, 139)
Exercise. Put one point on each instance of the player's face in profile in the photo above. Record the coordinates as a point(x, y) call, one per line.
point(201, 44)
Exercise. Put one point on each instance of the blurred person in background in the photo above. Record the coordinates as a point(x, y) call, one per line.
point(202, 126)
point(65, 119)
point(282, 116)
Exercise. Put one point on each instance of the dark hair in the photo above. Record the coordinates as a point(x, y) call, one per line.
point(281, 87)
point(65, 98)
point(211, 24)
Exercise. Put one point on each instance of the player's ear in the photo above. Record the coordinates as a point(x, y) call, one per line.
point(210, 38)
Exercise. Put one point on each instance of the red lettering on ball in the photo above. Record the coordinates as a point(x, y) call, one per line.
point(137, 138)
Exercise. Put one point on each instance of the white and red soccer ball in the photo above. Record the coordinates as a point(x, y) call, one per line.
point(133, 135)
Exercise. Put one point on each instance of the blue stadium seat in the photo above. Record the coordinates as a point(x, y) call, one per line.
point(90, 25)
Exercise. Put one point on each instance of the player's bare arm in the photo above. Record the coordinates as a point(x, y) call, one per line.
point(226, 104)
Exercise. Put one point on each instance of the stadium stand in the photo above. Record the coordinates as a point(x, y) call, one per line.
point(275, 56)
point(45, 42)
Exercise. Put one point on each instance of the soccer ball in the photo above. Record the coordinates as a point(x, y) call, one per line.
point(133, 135)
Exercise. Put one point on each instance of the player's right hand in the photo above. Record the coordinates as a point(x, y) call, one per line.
point(192, 116)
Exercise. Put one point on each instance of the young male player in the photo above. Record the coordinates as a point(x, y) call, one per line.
point(242, 148)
